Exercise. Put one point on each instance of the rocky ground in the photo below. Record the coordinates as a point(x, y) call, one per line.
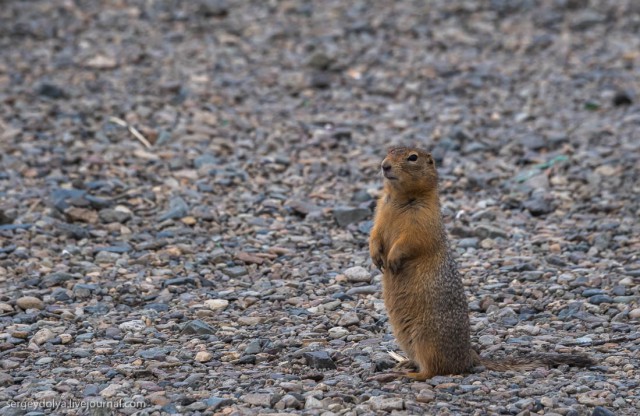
point(186, 191)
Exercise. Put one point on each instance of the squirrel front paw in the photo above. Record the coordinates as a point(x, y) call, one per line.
point(375, 251)
point(377, 260)
point(395, 265)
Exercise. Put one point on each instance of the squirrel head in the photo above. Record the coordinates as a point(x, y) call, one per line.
point(409, 171)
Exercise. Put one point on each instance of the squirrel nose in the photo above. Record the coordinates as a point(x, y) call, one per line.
point(386, 167)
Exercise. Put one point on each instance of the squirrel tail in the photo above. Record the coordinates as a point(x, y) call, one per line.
point(532, 362)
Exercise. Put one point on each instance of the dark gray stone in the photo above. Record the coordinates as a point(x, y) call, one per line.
point(319, 360)
point(55, 279)
point(362, 290)
point(213, 8)
point(215, 402)
point(538, 206)
point(602, 411)
point(253, 347)
point(52, 91)
point(320, 80)
point(468, 242)
point(348, 215)
point(60, 294)
point(179, 281)
point(98, 309)
point(592, 292)
point(178, 208)
point(86, 337)
point(598, 299)
point(158, 354)
point(109, 215)
point(160, 307)
point(119, 249)
point(197, 327)
point(236, 271)
point(204, 160)
point(83, 290)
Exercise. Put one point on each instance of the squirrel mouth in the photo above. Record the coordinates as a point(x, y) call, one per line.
point(389, 176)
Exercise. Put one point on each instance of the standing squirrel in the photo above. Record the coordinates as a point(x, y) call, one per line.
point(422, 290)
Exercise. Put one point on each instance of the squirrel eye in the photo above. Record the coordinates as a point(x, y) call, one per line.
point(412, 158)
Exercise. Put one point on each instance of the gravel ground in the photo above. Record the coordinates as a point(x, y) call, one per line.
point(222, 266)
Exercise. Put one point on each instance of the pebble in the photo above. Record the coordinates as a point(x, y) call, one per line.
point(602, 411)
point(132, 326)
point(627, 281)
point(216, 304)
point(30, 302)
point(348, 318)
point(289, 401)
point(157, 354)
point(487, 340)
point(203, 356)
point(378, 403)
point(110, 391)
point(357, 274)
point(65, 338)
point(235, 272)
point(348, 215)
point(338, 332)
point(253, 347)
point(42, 336)
point(425, 396)
point(5, 379)
point(312, 403)
point(538, 206)
point(250, 320)
point(259, 399)
point(598, 299)
point(320, 360)
point(5, 308)
point(362, 290)
point(119, 214)
point(44, 361)
point(216, 402)
point(178, 208)
point(197, 327)
point(468, 242)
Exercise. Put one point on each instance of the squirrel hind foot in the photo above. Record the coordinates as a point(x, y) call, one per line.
point(421, 376)
point(408, 364)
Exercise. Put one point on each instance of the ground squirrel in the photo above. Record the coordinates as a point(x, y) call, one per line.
point(422, 290)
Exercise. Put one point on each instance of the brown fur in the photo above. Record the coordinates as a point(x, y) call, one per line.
point(422, 289)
